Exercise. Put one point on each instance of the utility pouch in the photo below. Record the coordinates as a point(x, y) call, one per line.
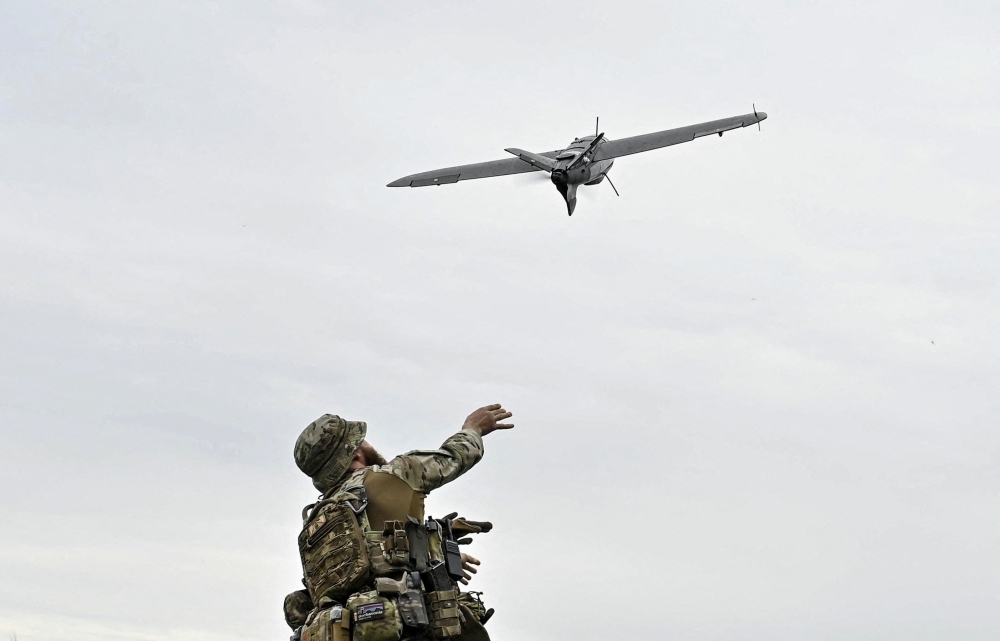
point(395, 544)
point(417, 542)
point(376, 617)
point(435, 545)
point(437, 579)
point(297, 607)
point(445, 620)
point(376, 552)
point(333, 624)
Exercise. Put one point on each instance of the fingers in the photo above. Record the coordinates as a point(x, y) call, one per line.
point(486, 419)
point(469, 564)
point(497, 410)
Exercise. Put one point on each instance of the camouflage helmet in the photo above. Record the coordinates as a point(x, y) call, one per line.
point(325, 448)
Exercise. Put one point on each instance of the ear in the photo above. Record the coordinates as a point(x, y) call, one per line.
point(359, 457)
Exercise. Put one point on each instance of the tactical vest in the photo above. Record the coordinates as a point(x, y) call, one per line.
point(369, 532)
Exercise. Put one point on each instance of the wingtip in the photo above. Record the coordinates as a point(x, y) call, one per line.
point(402, 182)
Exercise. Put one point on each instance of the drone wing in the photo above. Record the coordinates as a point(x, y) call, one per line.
point(647, 142)
point(489, 169)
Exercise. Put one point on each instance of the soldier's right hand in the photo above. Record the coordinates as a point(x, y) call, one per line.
point(469, 564)
point(485, 420)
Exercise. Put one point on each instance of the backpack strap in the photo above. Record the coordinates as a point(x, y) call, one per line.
point(356, 498)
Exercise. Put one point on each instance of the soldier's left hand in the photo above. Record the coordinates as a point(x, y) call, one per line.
point(469, 564)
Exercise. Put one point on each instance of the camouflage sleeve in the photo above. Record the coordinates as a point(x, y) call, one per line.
point(426, 470)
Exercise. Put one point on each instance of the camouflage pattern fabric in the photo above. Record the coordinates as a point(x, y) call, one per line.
point(472, 629)
point(422, 470)
point(427, 470)
point(332, 624)
point(325, 448)
point(473, 602)
point(334, 549)
point(297, 607)
point(375, 617)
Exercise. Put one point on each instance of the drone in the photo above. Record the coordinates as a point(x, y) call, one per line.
point(586, 161)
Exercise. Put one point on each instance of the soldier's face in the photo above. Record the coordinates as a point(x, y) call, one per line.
point(372, 457)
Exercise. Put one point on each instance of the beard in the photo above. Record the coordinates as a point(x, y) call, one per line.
point(372, 457)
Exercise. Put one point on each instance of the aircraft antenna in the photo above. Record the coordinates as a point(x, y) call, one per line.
point(612, 185)
point(756, 116)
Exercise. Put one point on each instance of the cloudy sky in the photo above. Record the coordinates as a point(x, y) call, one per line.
point(755, 396)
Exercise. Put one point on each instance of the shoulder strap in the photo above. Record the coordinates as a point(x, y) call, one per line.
point(356, 497)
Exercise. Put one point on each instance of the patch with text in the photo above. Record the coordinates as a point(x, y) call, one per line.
point(370, 612)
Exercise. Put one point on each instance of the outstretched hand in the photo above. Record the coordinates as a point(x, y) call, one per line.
point(485, 420)
point(469, 564)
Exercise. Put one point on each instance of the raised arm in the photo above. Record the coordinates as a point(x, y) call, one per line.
point(427, 470)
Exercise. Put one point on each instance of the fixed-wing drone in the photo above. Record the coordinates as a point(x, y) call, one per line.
point(586, 161)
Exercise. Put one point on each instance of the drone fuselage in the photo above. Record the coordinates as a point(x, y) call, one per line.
point(575, 166)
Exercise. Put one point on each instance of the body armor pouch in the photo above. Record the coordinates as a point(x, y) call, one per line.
point(332, 624)
point(376, 617)
point(333, 548)
point(297, 607)
point(396, 544)
point(445, 621)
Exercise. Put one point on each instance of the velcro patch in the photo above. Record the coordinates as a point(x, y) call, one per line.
point(370, 612)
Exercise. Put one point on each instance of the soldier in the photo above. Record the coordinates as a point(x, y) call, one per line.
point(373, 565)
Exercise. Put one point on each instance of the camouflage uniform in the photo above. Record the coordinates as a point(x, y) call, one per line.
point(427, 470)
point(422, 470)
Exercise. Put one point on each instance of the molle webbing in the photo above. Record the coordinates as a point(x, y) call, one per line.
point(390, 498)
point(333, 547)
point(445, 615)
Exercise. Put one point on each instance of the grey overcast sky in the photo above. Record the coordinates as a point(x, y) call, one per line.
point(755, 396)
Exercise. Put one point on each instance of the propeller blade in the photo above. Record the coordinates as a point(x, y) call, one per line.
point(756, 116)
point(568, 191)
point(570, 197)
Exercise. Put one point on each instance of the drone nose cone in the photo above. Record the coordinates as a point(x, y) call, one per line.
point(762, 115)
